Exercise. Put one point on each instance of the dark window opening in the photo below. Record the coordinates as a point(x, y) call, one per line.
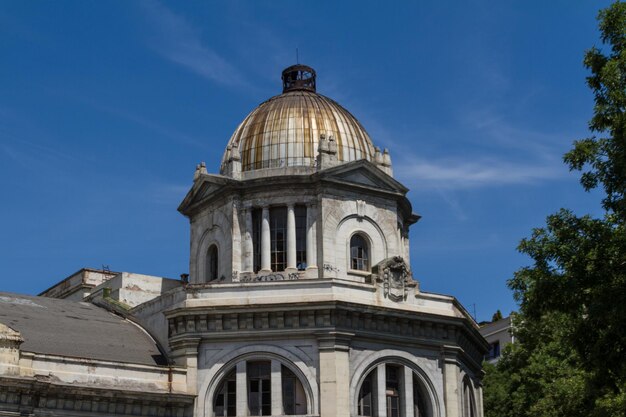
point(294, 398)
point(278, 238)
point(419, 406)
point(494, 350)
point(365, 396)
point(225, 400)
point(368, 401)
point(359, 256)
point(392, 390)
point(212, 263)
point(300, 215)
point(259, 388)
point(469, 405)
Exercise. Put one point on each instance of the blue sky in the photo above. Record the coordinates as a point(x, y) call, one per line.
point(106, 108)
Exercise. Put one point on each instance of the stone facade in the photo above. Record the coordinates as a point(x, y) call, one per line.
point(299, 300)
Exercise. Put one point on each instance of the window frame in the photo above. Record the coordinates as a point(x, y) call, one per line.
point(367, 401)
point(257, 393)
point(212, 263)
point(367, 246)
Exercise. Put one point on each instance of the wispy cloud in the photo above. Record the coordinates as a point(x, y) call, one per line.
point(179, 41)
point(493, 128)
point(489, 151)
point(461, 173)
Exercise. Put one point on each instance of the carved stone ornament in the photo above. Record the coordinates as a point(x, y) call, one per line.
point(395, 276)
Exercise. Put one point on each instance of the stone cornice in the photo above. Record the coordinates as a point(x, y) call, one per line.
point(365, 322)
point(324, 181)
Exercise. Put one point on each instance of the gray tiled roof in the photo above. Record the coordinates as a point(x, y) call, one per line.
point(76, 329)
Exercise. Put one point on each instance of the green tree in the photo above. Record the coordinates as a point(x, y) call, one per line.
point(570, 358)
point(496, 316)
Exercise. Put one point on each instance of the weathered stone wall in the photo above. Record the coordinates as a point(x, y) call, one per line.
point(212, 226)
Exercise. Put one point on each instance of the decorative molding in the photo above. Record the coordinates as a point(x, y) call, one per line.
point(371, 323)
point(360, 208)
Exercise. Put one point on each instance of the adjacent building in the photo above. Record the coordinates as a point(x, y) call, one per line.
point(498, 334)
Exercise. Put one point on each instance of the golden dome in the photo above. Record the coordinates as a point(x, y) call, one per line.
point(284, 131)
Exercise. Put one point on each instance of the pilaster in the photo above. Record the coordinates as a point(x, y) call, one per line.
point(277, 388)
point(381, 390)
point(185, 354)
point(334, 374)
point(241, 388)
point(311, 245)
point(407, 388)
point(291, 239)
point(266, 263)
point(451, 375)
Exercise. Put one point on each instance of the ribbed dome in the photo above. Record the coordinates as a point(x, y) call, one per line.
point(285, 130)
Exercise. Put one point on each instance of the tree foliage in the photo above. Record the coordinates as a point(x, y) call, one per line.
point(496, 316)
point(570, 358)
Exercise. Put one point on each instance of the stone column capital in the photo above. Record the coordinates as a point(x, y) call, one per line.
point(329, 341)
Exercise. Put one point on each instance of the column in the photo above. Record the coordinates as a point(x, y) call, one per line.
point(241, 389)
point(248, 246)
point(237, 246)
point(381, 390)
point(291, 238)
point(277, 388)
point(407, 393)
point(311, 247)
point(266, 264)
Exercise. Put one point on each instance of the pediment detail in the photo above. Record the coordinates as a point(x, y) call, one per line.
point(201, 190)
point(361, 178)
point(205, 190)
point(364, 173)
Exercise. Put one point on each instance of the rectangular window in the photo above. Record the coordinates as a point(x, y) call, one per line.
point(289, 395)
point(392, 376)
point(278, 238)
point(300, 214)
point(231, 405)
point(259, 388)
point(494, 350)
point(393, 406)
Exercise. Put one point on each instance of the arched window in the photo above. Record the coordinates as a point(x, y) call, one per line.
point(392, 393)
point(259, 387)
point(211, 259)
point(359, 253)
point(469, 404)
point(225, 403)
point(294, 398)
point(365, 396)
